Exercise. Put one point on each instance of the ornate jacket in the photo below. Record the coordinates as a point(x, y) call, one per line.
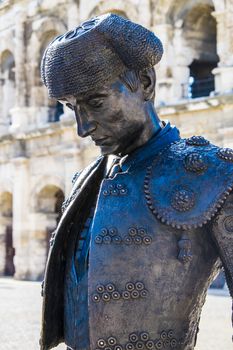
point(161, 228)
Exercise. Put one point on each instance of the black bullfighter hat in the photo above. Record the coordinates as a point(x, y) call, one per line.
point(96, 52)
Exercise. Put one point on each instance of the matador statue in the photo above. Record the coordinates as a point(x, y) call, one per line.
point(149, 224)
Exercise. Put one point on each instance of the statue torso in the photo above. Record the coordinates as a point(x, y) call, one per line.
point(151, 252)
point(136, 283)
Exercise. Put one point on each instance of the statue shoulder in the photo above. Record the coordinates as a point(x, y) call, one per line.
point(78, 179)
point(188, 182)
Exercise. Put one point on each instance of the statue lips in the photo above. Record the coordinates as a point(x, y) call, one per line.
point(101, 141)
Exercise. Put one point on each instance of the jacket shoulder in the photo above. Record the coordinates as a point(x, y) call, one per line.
point(78, 179)
point(188, 182)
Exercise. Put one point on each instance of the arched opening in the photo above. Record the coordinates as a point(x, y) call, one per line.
point(49, 203)
point(7, 265)
point(200, 34)
point(7, 84)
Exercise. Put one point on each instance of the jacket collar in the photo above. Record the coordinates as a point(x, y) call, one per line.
point(167, 135)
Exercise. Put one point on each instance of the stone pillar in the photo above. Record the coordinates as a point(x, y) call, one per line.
point(20, 217)
point(224, 72)
point(2, 246)
point(20, 75)
point(72, 14)
point(4, 125)
point(71, 166)
point(182, 59)
point(164, 74)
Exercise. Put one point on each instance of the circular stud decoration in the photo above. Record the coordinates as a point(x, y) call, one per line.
point(144, 293)
point(163, 335)
point(195, 162)
point(147, 240)
point(126, 295)
point(116, 295)
point(117, 240)
point(96, 298)
point(174, 343)
point(225, 154)
point(144, 336)
point(159, 344)
point(197, 141)
point(101, 343)
point(118, 347)
point(139, 286)
point(107, 239)
point(129, 346)
point(228, 224)
point(100, 288)
point(183, 200)
point(139, 345)
point(129, 286)
point(135, 294)
point(133, 337)
point(170, 334)
point(98, 239)
point(150, 344)
point(110, 287)
point(128, 240)
point(112, 341)
point(106, 296)
point(132, 231)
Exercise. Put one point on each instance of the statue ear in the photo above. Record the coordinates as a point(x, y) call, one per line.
point(148, 79)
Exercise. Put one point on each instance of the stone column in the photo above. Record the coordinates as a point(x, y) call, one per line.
point(224, 72)
point(19, 119)
point(72, 14)
point(4, 125)
point(182, 59)
point(71, 166)
point(164, 75)
point(20, 217)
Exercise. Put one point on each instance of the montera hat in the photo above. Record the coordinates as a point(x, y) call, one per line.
point(96, 52)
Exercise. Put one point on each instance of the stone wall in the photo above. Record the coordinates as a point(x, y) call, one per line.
point(39, 149)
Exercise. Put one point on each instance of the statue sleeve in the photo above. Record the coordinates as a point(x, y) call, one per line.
point(223, 236)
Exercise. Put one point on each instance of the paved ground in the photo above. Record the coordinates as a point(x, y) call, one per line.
point(20, 304)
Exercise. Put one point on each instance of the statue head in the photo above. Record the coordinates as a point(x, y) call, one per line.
point(103, 70)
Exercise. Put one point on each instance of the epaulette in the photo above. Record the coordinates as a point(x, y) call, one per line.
point(188, 182)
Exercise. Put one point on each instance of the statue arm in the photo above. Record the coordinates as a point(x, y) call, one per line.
point(223, 235)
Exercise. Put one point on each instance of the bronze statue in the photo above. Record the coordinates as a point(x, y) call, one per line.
point(139, 241)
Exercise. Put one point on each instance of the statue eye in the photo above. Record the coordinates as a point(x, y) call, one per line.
point(69, 105)
point(95, 102)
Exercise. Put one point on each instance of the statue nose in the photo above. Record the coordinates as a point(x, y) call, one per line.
point(84, 126)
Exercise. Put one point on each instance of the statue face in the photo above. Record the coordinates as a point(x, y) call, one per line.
point(114, 117)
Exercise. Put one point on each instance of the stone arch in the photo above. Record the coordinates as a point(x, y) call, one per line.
point(171, 10)
point(180, 9)
point(48, 204)
point(49, 200)
point(42, 182)
point(193, 44)
point(6, 204)
point(44, 31)
point(199, 30)
point(121, 7)
point(8, 65)
point(7, 68)
point(7, 250)
point(48, 197)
